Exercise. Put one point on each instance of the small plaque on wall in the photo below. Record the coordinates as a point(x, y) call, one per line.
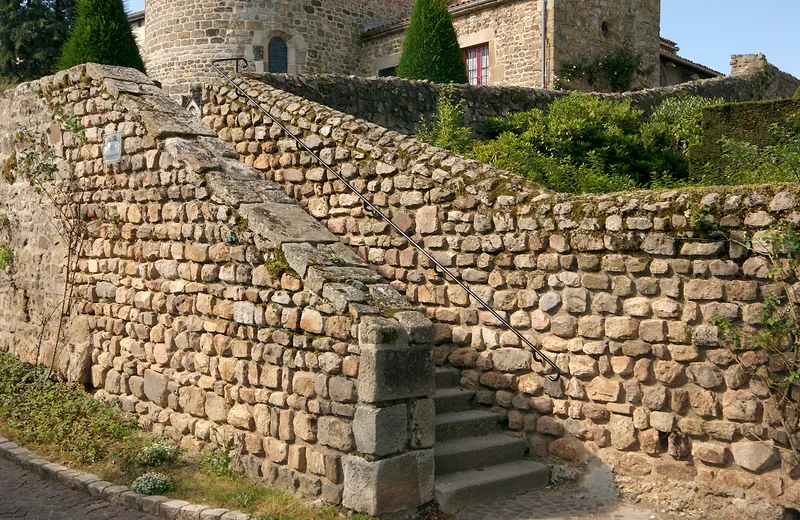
point(112, 148)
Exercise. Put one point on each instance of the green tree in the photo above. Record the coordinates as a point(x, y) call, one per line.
point(32, 33)
point(102, 34)
point(431, 50)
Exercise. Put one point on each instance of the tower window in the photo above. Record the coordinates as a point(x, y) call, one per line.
point(278, 56)
point(605, 29)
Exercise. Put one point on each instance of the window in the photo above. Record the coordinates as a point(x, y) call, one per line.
point(477, 61)
point(388, 72)
point(278, 56)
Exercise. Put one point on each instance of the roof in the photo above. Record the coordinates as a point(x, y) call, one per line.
point(690, 64)
point(138, 15)
point(455, 6)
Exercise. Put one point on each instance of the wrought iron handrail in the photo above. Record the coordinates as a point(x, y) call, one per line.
point(537, 354)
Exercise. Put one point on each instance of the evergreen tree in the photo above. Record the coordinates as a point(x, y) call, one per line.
point(32, 33)
point(102, 34)
point(431, 50)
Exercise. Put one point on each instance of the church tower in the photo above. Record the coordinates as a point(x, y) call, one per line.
point(585, 29)
point(299, 36)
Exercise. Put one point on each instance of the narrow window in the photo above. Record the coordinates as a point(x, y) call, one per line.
point(477, 62)
point(278, 56)
point(387, 72)
point(605, 29)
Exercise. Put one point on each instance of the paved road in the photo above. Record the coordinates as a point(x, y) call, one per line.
point(27, 496)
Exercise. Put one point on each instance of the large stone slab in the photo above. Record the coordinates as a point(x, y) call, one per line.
point(285, 223)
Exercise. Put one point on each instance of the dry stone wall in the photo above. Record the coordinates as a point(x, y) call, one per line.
point(622, 291)
point(212, 305)
point(399, 104)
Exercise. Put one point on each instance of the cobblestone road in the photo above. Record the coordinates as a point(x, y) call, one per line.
point(25, 495)
point(559, 504)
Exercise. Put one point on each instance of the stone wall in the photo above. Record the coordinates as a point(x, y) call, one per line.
point(620, 290)
point(322, 37)
point(210, 303)
point(399, 104)
point(511, 28)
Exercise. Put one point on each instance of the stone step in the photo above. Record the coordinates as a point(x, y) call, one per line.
point(470, 423)
point(476, 452)
point(456, 491)
point(452, 399)
point(447, 377)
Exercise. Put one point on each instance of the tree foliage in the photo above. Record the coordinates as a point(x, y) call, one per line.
point(32, 33)
point(102, 34)
point(431, 49)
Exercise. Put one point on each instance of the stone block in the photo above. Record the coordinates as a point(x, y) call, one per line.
point(155, 387)
point(285, 223)
point(380, 431)
point(710, 453)
point(336, 433)
point(386, 486)
point(390, 368)
point(423, 424)
point(754, 456)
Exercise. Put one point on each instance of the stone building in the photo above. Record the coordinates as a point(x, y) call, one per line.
point(505, 42)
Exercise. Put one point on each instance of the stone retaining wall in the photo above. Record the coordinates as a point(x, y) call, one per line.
point(210, 304)
point(399, 104)
point(621, 290)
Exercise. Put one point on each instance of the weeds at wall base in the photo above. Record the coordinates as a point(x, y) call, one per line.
point(64, 424)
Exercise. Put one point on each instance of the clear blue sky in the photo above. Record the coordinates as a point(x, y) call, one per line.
point(709, 31)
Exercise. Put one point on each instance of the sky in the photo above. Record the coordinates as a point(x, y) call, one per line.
point(709, 31)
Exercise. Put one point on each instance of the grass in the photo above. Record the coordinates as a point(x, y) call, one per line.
point(64, 424)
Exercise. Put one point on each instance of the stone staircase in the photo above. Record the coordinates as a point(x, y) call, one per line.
point(475, 461)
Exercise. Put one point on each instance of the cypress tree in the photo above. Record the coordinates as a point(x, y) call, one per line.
point(32, 33)
point(431, 50)
point(102, 34)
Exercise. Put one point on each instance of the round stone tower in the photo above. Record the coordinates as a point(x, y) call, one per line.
point(293, 36)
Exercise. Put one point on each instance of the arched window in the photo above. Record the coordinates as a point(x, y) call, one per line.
point(278, 55)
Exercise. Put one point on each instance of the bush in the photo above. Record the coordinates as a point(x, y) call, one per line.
point(157, 454)
point(430, 49)
point(102, 34)
point(152, 484)
point(584, 144)
point(446, 129)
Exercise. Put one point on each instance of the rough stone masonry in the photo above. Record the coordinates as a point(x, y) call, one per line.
point(207, 301)
point(621, 290)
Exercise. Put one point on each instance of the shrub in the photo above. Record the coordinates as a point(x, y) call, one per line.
point(680, 119)
point(430, 49)
point(446, 129)
point(156, 454)
point(583, 144)
point(102, 34)
point(796, 94)
point(152, 484)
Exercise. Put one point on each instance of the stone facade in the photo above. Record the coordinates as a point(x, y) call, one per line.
point(512, 30)
point(365, 37)
point(621, 291)
point(208, 302)
point(400, 104)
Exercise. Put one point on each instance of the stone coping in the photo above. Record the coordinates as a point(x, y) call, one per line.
point(94, 486)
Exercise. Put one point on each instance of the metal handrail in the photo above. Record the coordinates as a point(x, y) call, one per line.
point(537, 354)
